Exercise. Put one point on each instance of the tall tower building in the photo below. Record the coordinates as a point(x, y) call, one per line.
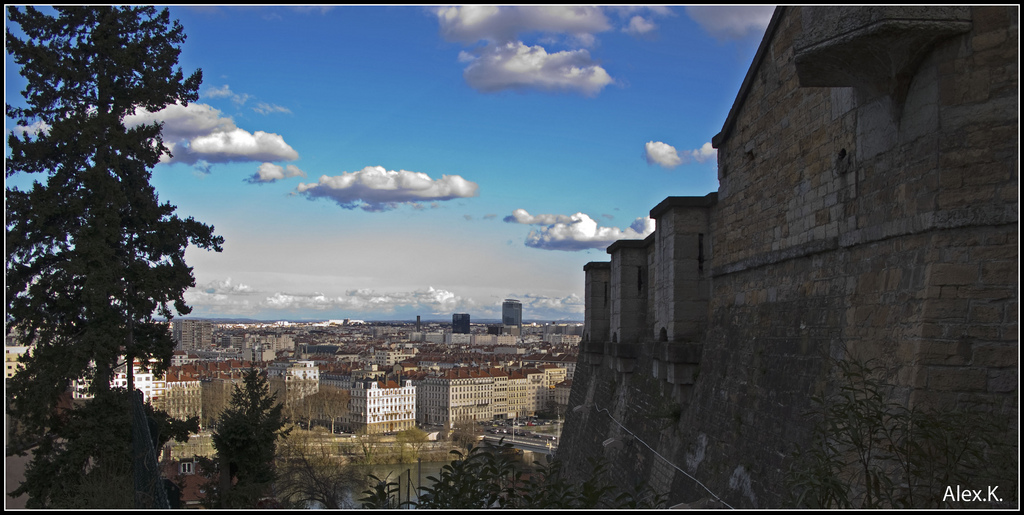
point(512, 316)
point(192, 334)
point(460, 323)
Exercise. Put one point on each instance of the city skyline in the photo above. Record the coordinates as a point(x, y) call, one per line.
point(384, 162)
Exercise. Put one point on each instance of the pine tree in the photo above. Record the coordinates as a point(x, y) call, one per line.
point(246, 442)
point(92, 254)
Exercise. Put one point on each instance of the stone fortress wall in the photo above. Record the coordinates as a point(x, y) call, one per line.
point(867, 208)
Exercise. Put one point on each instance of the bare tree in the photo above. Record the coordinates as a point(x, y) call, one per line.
point(465, 432)
point(332, 403)
point(415, 438)
point(309, 472)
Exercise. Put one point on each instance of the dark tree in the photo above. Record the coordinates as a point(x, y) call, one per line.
point(92, 254)
point(246, 443)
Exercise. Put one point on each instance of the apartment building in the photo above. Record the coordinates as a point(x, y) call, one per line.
point(11, 355)
point(379, 407)
point(183, 394)
point(389, 357)
point(192, 334)
point(463, 394)
point(527, 392)
point(295, 378)
point(151, 385)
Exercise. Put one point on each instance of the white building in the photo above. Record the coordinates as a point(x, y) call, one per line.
point(151, 385)
point(378, 407)
point(483, 339)
point(300, 378)
point(389, 357)
point(458, 339)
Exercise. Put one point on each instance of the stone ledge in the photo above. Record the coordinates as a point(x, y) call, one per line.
point(672, 202)
point(874, 50)
point(626, 350)
point(626, 244)
point(687, 352)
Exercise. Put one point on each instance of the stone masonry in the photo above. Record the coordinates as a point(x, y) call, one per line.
point(867, 208)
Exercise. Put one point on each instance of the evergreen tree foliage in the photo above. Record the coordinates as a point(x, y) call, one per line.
point(246, 441)
point(92, 254)
point(491, 477)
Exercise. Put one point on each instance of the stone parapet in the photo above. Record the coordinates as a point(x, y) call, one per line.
point(682, 257)
point(597, 298)
point(629, 284)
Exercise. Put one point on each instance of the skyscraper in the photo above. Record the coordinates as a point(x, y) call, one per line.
point(192, 334)
point(512, 316)
point(460, 323)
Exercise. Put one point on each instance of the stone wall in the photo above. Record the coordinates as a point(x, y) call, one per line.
point(867, 208)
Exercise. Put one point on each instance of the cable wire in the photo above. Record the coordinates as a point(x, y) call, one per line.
point(637, 438)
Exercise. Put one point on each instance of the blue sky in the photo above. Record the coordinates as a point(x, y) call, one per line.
point(383, 162)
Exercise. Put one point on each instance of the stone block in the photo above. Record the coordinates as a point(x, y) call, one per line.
point(985, 314)
point(952, 274)
point(945, 309)
point(960, 379)
point(680, 373)
point(984, 332)
point(999, 272)
point(623, 365)
point(995, 355)
point(1003, 381)
point(944, 353)
point(680, 352)
point(626, 350)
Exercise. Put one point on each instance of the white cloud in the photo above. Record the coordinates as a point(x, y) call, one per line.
point(515, 65)
point(577, 232)
point(241, 145)
point(225, 287)
point(270, 172)
point(199, 132)
point(36, 128)
point(376, 189)
point(521, 216)
point(431, 300)
point(539, 303)
point(225, 92)
point(494, 24)
point(704, 153)
point(665, 155)
point(221, 92)
point(638, 25)
point(732, 22)
point(265, 108)
point(225, 298)
point(505, 62)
